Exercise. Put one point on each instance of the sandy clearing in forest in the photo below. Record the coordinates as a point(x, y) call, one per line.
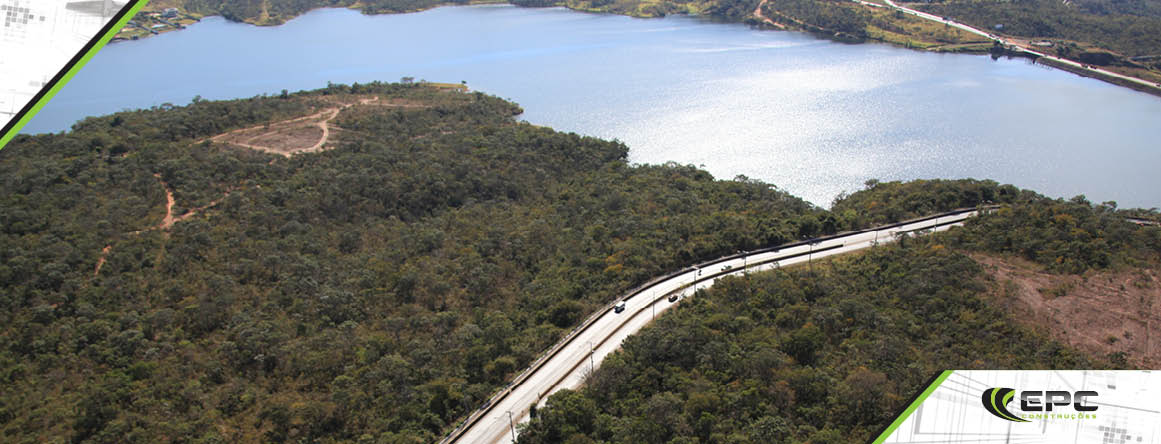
point(1100, 313)
point(306, 134)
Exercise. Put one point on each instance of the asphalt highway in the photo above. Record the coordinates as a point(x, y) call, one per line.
point(582, 351)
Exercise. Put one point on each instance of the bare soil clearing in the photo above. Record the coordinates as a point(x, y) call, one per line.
point(758, 14)
point(168, 220)
point(306, 134)
point(101, 260)
point(1100, 313)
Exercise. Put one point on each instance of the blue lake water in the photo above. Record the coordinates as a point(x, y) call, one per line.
point(812, 116)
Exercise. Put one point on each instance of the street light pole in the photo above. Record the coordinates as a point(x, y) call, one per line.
point(511, 426)
point(592, 367)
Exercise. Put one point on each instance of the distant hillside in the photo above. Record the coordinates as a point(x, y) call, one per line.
point(1124, 36)
point(276, 12)
point(1129, 28)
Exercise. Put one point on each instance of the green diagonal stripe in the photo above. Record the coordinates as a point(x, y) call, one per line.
point(70, 70)
point(912, 407)
point(1004, 403)
point(1000, 411)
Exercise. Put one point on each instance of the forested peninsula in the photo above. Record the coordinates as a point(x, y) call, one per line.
point(369, 263)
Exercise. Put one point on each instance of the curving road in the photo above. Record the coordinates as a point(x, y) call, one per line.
point(567, 363)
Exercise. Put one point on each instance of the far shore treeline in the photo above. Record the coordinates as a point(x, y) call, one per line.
point(1120, 35)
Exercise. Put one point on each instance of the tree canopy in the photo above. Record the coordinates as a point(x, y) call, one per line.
point(795, 356)
point(381, 289)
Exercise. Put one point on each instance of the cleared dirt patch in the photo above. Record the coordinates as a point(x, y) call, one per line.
point(307, 133)
point(1100, 313)
point(304, 134)
point(290, 140)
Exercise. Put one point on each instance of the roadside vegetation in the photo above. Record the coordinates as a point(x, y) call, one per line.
point(905, 30)
point(1064, 235)
point(1096, 32)
point(791, 356)
point(829, 354)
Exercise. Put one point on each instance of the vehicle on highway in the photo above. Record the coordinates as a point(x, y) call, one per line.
point(727, 268)
point(673, 297)
point(619, 307)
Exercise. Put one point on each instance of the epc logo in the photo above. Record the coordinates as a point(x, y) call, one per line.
point(1033, 402)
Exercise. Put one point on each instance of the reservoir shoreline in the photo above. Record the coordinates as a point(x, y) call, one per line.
point(750, 21)
point(814, 117)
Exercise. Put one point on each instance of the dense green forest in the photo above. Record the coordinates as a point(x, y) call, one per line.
point(377, 291)
point(792, 356)
point(381, 290)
